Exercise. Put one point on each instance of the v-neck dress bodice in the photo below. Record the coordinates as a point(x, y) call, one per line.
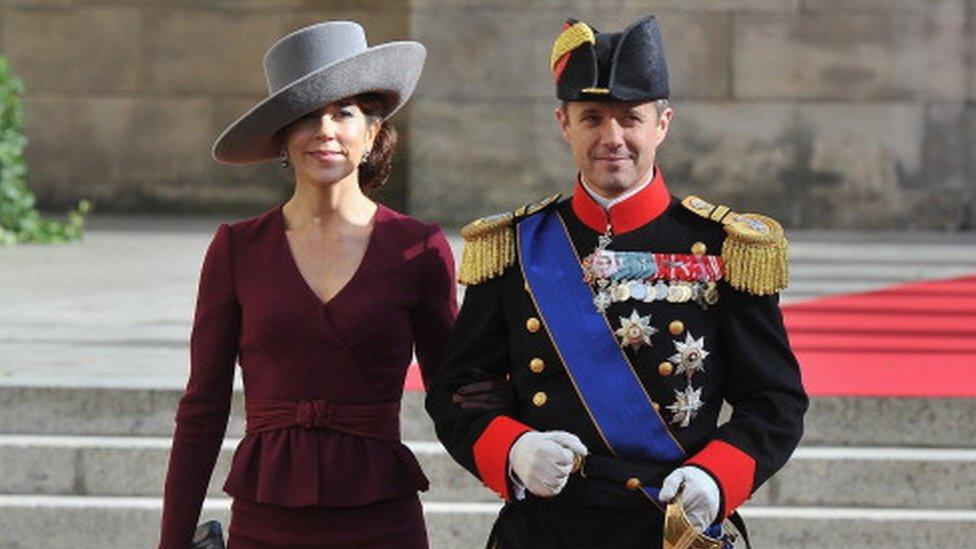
point(299, 355)
point(364, 260)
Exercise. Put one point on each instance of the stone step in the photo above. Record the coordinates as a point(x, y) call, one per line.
point(806, 290)
point(893, 271)
point(888, 421)
point(56, 522)
point(833, 250)
point(816, 476)
point(125, 411)
point(840, 421)
point(136, 466)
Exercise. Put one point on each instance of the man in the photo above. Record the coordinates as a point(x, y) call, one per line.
point(600, 334)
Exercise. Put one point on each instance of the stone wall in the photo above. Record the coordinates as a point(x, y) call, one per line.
point(824, 113)
point(126, 97)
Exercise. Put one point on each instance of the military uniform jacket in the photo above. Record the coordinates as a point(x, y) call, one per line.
point(500, 348)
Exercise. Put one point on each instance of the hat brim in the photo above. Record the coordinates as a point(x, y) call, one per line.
point(391, 69)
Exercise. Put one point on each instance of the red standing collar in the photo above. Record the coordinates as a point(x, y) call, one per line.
point(636, 211)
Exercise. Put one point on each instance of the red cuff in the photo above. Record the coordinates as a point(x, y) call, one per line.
point(733, 469)
point(491, 452)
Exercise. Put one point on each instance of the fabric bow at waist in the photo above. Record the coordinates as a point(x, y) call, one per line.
point(380, 421)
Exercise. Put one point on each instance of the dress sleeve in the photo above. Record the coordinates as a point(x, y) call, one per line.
point(767, 398)
point(201, 419)
point(433, 317)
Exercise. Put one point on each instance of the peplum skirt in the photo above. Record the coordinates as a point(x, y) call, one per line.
point(390, 524)
point(315, 475)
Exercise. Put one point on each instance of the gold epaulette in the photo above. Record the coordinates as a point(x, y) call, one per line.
point(489, 243)
point(754, 250)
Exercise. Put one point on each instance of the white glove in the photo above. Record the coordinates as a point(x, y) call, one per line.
point(543, 460)
point(700, 495)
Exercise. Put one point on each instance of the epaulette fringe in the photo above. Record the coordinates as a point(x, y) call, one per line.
point(754, 251)
point(489, 248)
point(489, 243)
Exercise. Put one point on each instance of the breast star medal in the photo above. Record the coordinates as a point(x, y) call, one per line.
point(686, 405)
point(690, 357)
point(635, 331)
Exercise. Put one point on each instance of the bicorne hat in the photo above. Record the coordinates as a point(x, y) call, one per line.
point(588, 65)
point(310, 68)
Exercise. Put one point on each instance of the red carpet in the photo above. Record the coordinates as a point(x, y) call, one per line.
point(914, 340)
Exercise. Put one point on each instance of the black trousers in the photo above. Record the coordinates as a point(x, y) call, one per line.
point(540, 524)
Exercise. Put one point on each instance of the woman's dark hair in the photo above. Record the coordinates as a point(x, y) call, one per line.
point(374, 172)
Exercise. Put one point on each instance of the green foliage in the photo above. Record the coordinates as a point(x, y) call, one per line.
point(19, 219)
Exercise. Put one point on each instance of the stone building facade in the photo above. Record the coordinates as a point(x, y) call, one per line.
point(838, 114)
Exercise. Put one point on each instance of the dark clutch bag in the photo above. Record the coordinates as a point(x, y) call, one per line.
point(208, 536)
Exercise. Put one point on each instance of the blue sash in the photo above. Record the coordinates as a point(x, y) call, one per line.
point(607, 384)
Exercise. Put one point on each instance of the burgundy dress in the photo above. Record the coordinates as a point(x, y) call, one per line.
point(321, 463)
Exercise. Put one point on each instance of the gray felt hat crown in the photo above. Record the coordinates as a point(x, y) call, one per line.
point(310, 68)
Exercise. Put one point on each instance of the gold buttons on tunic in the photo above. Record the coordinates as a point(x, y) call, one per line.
point(633, 484)
point(532, 324)
point(526, 286)
point(656, 406)
point(676, 327)
point(537, 365)
point(665, 368)
point(699, 248)
point(539, 399)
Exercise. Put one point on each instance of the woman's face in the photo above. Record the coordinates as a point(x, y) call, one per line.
point(327, 145)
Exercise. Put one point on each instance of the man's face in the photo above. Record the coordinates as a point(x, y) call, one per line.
point(614, 144)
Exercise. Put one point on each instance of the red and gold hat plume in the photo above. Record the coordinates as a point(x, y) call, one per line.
point(575, 34)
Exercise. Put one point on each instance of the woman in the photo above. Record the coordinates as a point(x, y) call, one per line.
point(322, 301)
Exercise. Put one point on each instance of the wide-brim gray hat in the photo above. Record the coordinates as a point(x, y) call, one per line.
point(310, 68)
